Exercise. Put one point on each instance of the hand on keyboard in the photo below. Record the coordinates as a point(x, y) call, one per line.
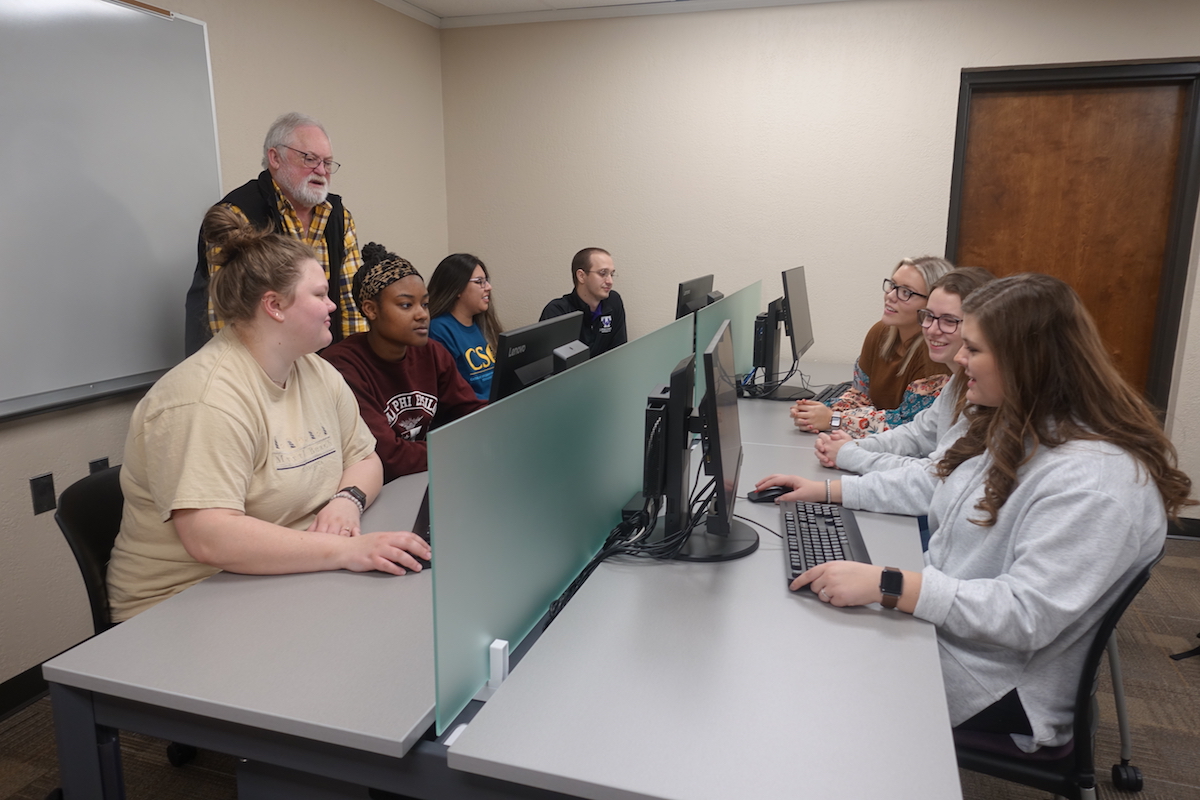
point(847, 583)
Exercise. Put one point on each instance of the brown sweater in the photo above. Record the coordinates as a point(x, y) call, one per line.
point(886, 385)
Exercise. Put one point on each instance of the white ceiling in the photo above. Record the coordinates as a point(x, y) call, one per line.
point(474, 13)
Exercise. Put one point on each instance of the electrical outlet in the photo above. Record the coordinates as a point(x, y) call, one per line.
point(97, 465)
point(42, 489)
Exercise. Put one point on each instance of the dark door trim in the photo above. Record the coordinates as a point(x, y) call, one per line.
point(1183, 72)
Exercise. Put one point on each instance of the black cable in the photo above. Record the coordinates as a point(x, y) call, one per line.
point(768, 387)
point(632, 538)
point(759, 524)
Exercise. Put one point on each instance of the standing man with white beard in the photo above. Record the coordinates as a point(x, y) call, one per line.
point(292, 196)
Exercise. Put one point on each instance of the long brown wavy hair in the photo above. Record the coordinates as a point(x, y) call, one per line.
point(1059, 385)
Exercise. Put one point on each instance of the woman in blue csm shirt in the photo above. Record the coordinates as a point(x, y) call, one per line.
point(464, 320)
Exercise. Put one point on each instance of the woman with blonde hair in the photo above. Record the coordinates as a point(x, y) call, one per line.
point(894, 378)
point(250, 455)
point(1054, 498)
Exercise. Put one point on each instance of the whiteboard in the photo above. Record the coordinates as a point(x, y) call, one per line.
point(108, 133)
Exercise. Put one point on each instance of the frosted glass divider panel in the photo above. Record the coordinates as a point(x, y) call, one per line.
point(740, 308)
point(524, 492)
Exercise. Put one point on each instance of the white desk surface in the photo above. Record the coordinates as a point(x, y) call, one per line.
point(699, 682)
point(352, 650)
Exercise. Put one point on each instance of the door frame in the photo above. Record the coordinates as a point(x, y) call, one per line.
point(1182, 218)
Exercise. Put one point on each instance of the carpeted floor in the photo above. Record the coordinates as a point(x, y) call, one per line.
point(1163, 699)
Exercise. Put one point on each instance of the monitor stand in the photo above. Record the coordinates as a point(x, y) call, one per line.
point(704, 546)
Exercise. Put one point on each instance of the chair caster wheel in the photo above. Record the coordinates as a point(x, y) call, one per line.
point(1127, 777)
point(180, 754)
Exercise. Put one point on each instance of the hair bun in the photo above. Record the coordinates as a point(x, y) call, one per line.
point(374, 253)
point(230, 232)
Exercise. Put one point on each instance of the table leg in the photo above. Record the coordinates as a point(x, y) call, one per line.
point(89, 755)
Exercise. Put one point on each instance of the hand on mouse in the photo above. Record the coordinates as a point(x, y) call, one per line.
point(801, 489)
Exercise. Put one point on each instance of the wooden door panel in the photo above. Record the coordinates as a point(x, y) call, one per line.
point(1078, 183)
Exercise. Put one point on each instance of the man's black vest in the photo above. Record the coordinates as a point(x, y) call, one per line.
point(256, 199)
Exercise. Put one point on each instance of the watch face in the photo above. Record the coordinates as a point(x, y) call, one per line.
point(356, 492)
point(892, 582)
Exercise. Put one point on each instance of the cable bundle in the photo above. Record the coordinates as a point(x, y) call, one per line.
point(632, 537)
point(751, 389)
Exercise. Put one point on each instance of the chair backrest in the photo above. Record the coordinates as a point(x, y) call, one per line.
point(1084, 718)
point(89, 514)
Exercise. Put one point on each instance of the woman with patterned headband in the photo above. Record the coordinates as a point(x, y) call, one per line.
point(405, 384)
point(250, 456)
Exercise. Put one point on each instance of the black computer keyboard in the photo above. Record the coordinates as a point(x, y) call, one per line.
point(814, 533)
point(831, 391)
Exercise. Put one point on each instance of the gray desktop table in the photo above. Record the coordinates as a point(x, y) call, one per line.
point(767, 421)
point(705, 682)
point(329, 673)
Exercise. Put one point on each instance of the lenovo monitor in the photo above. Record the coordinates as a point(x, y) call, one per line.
point(526, 355)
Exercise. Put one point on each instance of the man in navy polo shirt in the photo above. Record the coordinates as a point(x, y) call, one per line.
point(603, 326)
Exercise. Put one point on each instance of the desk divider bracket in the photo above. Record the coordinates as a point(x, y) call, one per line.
point(498, 669)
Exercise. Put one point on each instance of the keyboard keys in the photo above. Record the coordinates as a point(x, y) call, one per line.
point(814, 533)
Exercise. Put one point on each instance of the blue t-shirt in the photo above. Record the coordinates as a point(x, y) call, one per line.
point(472, 354)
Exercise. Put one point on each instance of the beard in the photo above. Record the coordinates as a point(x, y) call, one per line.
point(302, 191)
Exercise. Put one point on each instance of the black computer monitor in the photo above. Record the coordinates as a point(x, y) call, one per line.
point(668, 445)
point(797, 319)
point(526, 355)
point(716, 536)
point(793, 311)
point(693, 296)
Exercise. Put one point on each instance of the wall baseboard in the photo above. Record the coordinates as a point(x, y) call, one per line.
point(1184, 527)
point(21, 690)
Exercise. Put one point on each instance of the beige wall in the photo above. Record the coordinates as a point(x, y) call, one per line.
point(740, 143)
point(373, 77)
point(746, 142)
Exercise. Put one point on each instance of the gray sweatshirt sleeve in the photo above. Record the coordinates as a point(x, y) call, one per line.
point(1060, 534)
point(906, 490)
point(899, 446)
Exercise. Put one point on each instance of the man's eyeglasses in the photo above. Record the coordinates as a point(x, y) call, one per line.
point(945, 322)
point(312, 162)
point(480, 282)
point(605, 274)
point(903, 293)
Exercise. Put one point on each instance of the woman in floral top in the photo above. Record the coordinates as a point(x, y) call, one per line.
point(894, 377)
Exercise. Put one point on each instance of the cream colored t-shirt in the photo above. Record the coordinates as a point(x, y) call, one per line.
point(216, 432)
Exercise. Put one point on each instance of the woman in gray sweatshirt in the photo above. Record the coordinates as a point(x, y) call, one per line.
point(1054, 497)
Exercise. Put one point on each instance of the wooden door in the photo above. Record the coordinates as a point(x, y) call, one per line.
point(1088, 174)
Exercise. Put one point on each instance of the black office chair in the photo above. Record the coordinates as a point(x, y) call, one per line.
point(1195, 651)
point(1067, 771)
point(89, 515)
